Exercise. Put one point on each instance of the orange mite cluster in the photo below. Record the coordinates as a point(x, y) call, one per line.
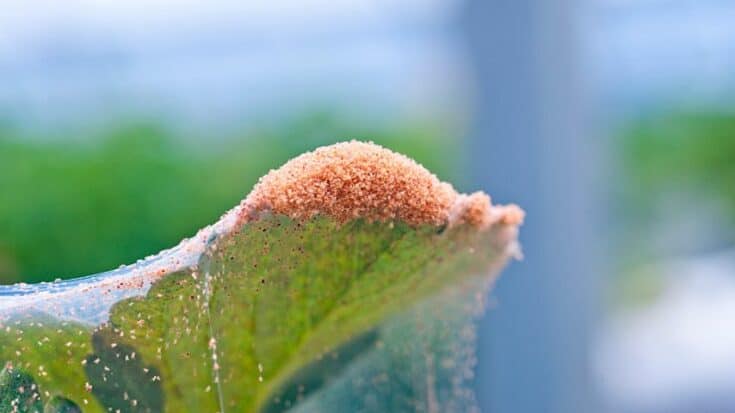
point(362, 180)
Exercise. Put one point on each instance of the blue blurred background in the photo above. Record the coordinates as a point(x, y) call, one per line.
point(126, 126)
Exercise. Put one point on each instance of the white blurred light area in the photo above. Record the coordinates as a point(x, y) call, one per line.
point(661, 52)
point(218, 62)
point(676, 354)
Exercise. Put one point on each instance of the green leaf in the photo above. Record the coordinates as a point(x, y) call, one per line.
point(282, 314)
point(422, 362)
point(52, 351)
point(61, 405)
point(119, 379)
point(319, 373)
point(19, 392)
point(170, 330)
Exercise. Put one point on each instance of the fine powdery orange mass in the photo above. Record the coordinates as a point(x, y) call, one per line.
point(362, 180)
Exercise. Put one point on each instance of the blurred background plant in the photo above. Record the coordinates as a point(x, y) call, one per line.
point(126, 126)
point(84, 205)
point(679, 152)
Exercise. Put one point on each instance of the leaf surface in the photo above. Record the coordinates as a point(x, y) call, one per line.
point(284, 315)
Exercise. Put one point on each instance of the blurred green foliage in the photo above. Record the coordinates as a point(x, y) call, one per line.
point(77, 207)
point(672, 156)
point(690, 152)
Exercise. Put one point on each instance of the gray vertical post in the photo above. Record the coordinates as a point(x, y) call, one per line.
point(527, 146)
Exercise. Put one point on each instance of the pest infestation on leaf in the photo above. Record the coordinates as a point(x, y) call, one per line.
point(348, 279)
